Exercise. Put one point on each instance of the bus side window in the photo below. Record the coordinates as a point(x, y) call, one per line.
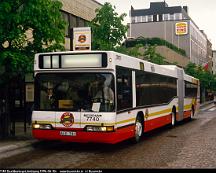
point(124, 88)
point(190, 89)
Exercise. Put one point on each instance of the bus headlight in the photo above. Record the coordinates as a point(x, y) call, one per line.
point(99, 128)
point(36, 126)
point(42, 126)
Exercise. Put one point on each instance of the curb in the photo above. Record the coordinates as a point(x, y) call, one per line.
point(12, 149)
point(206, 104)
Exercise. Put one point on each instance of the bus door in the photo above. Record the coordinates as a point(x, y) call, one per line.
point(180, 93)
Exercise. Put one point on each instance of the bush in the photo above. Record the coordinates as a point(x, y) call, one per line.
point(153, 42)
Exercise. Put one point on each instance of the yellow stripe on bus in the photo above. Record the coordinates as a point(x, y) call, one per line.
point(126, 121)
point(120, 122)
point(168, 110)
point(92, 123)
point(43, 122)
point(188, 106)
point(160, 112)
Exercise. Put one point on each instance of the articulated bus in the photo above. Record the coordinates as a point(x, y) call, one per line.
point(107, 97)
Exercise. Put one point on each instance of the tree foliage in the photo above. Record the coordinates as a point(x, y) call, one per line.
point(207, 80)
point(154, 42)
point(148, 53)
point(134, 51)
point(28, 27)
point(107, 28)
point(153, 57)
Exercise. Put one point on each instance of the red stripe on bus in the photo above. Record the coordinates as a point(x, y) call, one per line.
point(119, 135)
point(187, 114)
point(157, 122)
point(85, 137)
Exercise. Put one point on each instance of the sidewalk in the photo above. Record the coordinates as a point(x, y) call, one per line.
point(207, 105)
point(17, 144)
point(22, 142)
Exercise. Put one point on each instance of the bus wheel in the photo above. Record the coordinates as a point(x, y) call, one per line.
point(138, 129)
point(173, 117)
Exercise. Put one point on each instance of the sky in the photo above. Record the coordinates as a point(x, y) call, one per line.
point(202, 12)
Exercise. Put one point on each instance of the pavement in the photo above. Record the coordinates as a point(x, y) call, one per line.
point(207, 105)
point(23, 141)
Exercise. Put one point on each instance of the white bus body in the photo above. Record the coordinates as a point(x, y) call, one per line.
point(145, 96)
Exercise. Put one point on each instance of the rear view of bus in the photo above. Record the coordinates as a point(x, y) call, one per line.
point(74, 98)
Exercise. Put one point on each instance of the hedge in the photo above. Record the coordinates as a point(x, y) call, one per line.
point(153, 42)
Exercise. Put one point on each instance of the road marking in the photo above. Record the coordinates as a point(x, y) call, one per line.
point(212, 109)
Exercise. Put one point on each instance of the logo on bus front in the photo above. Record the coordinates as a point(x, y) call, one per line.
point(67, 119)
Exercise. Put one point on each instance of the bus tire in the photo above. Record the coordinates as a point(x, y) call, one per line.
point(173, 118)
point(138, 131)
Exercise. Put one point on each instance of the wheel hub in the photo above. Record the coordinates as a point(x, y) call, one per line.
point(138, 129)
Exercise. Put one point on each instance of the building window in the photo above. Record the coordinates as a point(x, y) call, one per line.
point(155, 18)
point(150, 18)
point(80, 22)
point(132, 19)
point(144, 19)
point(139, 19)
point(160, 17)
point(65, 16)
point(166, 17)
point(171, 16)
point(178, 16)
point(73, 21)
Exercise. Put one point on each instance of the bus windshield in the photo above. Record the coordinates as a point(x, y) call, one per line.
point(75, 92)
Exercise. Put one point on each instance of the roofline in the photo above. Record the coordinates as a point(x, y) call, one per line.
point(97, 2)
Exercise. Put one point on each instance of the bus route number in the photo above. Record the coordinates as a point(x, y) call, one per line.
point(92, 117)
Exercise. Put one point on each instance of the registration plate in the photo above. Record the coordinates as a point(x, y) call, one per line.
point(67, 133)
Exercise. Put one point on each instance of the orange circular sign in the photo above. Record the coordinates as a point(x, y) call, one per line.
point(67, 119)
point(82, 38)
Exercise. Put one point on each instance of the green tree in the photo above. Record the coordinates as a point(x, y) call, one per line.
point(207, 80)
point(107, 28)
point(28, 27)
point(191, 69)
point(133, 51)
point(145, 53)
point(151, 55)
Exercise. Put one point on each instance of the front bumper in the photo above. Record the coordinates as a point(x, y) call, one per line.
point(85, 137)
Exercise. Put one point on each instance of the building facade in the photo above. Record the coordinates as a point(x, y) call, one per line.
point(77, 13)
point(209, 56)
point(172, 24)
point(214, 62)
